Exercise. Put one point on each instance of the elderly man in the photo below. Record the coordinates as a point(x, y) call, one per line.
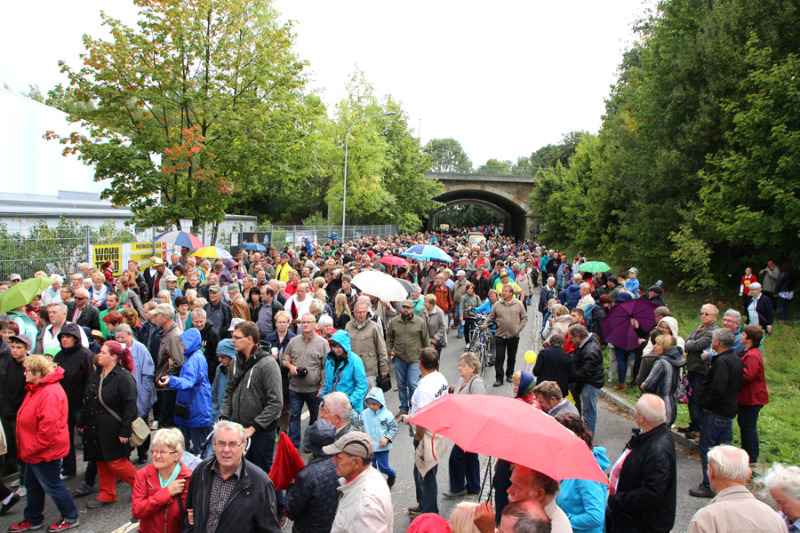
point(227, 493)
point(218, 312)
point(734, 508)
point(365, 503)
point(298, 305)
point(366, 340)
point(81, 312)
point(336, 409)
point(239, 307)
point(697, 342)
point(551, 401)
point(547, 293)
point(264, 315)
point(586, 299)
point(254, 394)
point(169, 362)
point(157, 281)
point(527, 484)
point(406, 335)
point(719, 401)
point(588, 360)
point(771, 273)
point(760, 312)
point(645, 480)
point(305, 358)
point(510, 317)
point(730, 321)
point(57, 313)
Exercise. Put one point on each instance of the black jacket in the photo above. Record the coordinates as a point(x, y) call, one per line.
point(150, 335)
point(13, 386)
point(311, 501)
point(251, 505)
point(210, 338)
point(78, 366)
point(588, 360)
point(645, 499)
point(89, 317)
point(227, 316)
point(554, 364)
point(722, 384)
point(101, 431)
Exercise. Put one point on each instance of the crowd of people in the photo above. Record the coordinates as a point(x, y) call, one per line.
point(188, 357)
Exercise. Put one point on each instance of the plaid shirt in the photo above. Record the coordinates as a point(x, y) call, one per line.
point(220, 492)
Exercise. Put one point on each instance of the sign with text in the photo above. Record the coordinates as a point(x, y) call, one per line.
point(120, 254)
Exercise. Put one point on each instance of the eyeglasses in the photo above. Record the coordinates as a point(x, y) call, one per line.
point(163, 452)
point(80, 298)
point(230, 445)
point(237, 337)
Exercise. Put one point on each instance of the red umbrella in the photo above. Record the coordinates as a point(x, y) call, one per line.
point(512, 430)
point(394, 261)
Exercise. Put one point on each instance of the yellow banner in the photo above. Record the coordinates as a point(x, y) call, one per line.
point(107, 252)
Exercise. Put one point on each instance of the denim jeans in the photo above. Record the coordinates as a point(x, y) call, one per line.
point(407, 379)
point(783, 309)
point(427, 489)
point(197, 437)
point(166, 419)
point(296, 401)
point(748, 428)
point(503, 346)
point(457, 321)
point(45, 478)
point(695, 409)
point(622, 357)
point(380, 460)
point(589, 405)
point(262, 449)
point(464, 467)
point(716, 430)
point(69, 465)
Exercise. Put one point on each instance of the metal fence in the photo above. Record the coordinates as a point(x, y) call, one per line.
point(280, 235)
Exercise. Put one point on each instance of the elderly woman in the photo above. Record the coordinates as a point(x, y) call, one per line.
point(460, 520)
point(469, 302)
point(326, 329)
point(98, 290)
point(434, 317)
point(109, 410)
point(465, 473)
point(584, 501)
point(43, 440)
point(753, 394)
point(783, 485)
point(666, 374)
point(558, 324)
point(159, 492)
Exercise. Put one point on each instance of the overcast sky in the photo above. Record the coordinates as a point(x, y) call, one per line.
point(504, 78)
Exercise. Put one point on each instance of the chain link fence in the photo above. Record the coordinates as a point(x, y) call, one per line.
point(280, 235)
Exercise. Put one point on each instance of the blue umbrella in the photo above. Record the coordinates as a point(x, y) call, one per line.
point(426, 252)
point(252, 246)
point(180, 238)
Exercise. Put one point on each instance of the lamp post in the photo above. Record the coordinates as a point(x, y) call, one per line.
point(346, 141)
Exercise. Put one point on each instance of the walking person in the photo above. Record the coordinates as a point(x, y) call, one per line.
point(406, 335)
point(510, 317)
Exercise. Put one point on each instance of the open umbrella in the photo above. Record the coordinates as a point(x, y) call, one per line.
point(394, 261)
point(594, 266)
point(512, 430)
point(180, 238)
point(380, 285)
point(405, 283)
point(253, 246)
point(426, 252)
point(213, 252)
point(23, 293)
point(617, 327)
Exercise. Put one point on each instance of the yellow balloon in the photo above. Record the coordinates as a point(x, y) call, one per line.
point(530, 357)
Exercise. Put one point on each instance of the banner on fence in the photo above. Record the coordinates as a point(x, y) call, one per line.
point(120, 254)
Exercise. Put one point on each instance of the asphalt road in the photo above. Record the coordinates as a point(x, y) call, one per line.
point(613, 430)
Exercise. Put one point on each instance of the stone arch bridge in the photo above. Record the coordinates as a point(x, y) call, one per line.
point(507, 195)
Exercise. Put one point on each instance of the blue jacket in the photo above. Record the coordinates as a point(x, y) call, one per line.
point(377, 424)
point(570, 296)
point(583, 501)
point(144, 375)
point(193, 378)
point(349, 378)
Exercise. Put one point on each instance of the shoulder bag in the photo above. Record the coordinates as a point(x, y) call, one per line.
point(385, 383)
point(139, 429)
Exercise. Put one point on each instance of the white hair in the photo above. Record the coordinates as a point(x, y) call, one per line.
point(58, 279)
point(171, 438)
point(337, 403)
point(653, 409)
point(729, 462)
point(227, 425)
point(325, 320)
point(783, 478)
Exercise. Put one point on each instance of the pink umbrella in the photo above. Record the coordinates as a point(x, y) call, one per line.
point(394, 261)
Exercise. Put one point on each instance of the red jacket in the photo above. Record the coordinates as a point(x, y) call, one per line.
point(754, 384)
point(42, 432)
point(153, 507)
point(444, 298)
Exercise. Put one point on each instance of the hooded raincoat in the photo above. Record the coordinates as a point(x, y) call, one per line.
point(345, 374)
point(378, 424)
point(663, 380)
point(192, 383)
point(584, 501)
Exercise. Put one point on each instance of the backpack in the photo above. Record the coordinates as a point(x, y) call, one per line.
point(587, 316)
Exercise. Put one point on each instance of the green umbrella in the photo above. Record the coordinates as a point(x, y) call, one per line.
point(23, 293)
point(594, 266)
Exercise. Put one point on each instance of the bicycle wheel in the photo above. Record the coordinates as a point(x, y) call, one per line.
point(483, 354)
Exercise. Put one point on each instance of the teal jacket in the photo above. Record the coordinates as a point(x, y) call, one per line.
point(377, 424)
point(583, 501)
point(347, 375)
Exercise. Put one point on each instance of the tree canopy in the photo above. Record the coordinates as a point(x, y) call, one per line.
point(447, 155)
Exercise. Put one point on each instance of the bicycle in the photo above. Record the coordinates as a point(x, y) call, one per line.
point(480, 341)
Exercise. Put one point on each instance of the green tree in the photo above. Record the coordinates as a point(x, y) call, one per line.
point(210, 86)
point(547, 156)
point(468, 215)
point(495, 166)
point(447, 155)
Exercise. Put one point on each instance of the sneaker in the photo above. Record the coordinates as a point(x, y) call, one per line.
point(63, 525)
point(25, 525)
point(15, 498)
point(459, 336)
point(142, 459)
point(498, 383)
point(454, 494)
point(400, 413)
point(413, 511)
point(22, 491)
point(14, 484)
point(390, 481)
point(701, 492)
point(83, 490)
point(510, 379)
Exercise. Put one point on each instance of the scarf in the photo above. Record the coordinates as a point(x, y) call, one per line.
point(173, 477)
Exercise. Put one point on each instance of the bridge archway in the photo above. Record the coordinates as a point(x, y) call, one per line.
point(515, 217)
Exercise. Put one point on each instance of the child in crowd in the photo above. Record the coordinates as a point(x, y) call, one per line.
point(381, 426)
point(632, 283)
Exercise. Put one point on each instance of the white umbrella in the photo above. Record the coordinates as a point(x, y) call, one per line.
point(380, 285)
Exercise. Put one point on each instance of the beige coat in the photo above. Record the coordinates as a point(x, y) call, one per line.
point(368, 343)
point(510, 318)
point(736, 509)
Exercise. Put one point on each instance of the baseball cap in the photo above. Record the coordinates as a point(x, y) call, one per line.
point(318, 435)
point(461, 273)
point(14, 277)
point(172, 277)
point(164, 309)
point(52, 351)
point(355, 443)
point(24, 339)
point(214, 288)
point(407, 303)
point(634, 270)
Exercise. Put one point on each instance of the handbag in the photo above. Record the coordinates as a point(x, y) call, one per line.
point(385, 383)
point(140, 431)
point(182, 410)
